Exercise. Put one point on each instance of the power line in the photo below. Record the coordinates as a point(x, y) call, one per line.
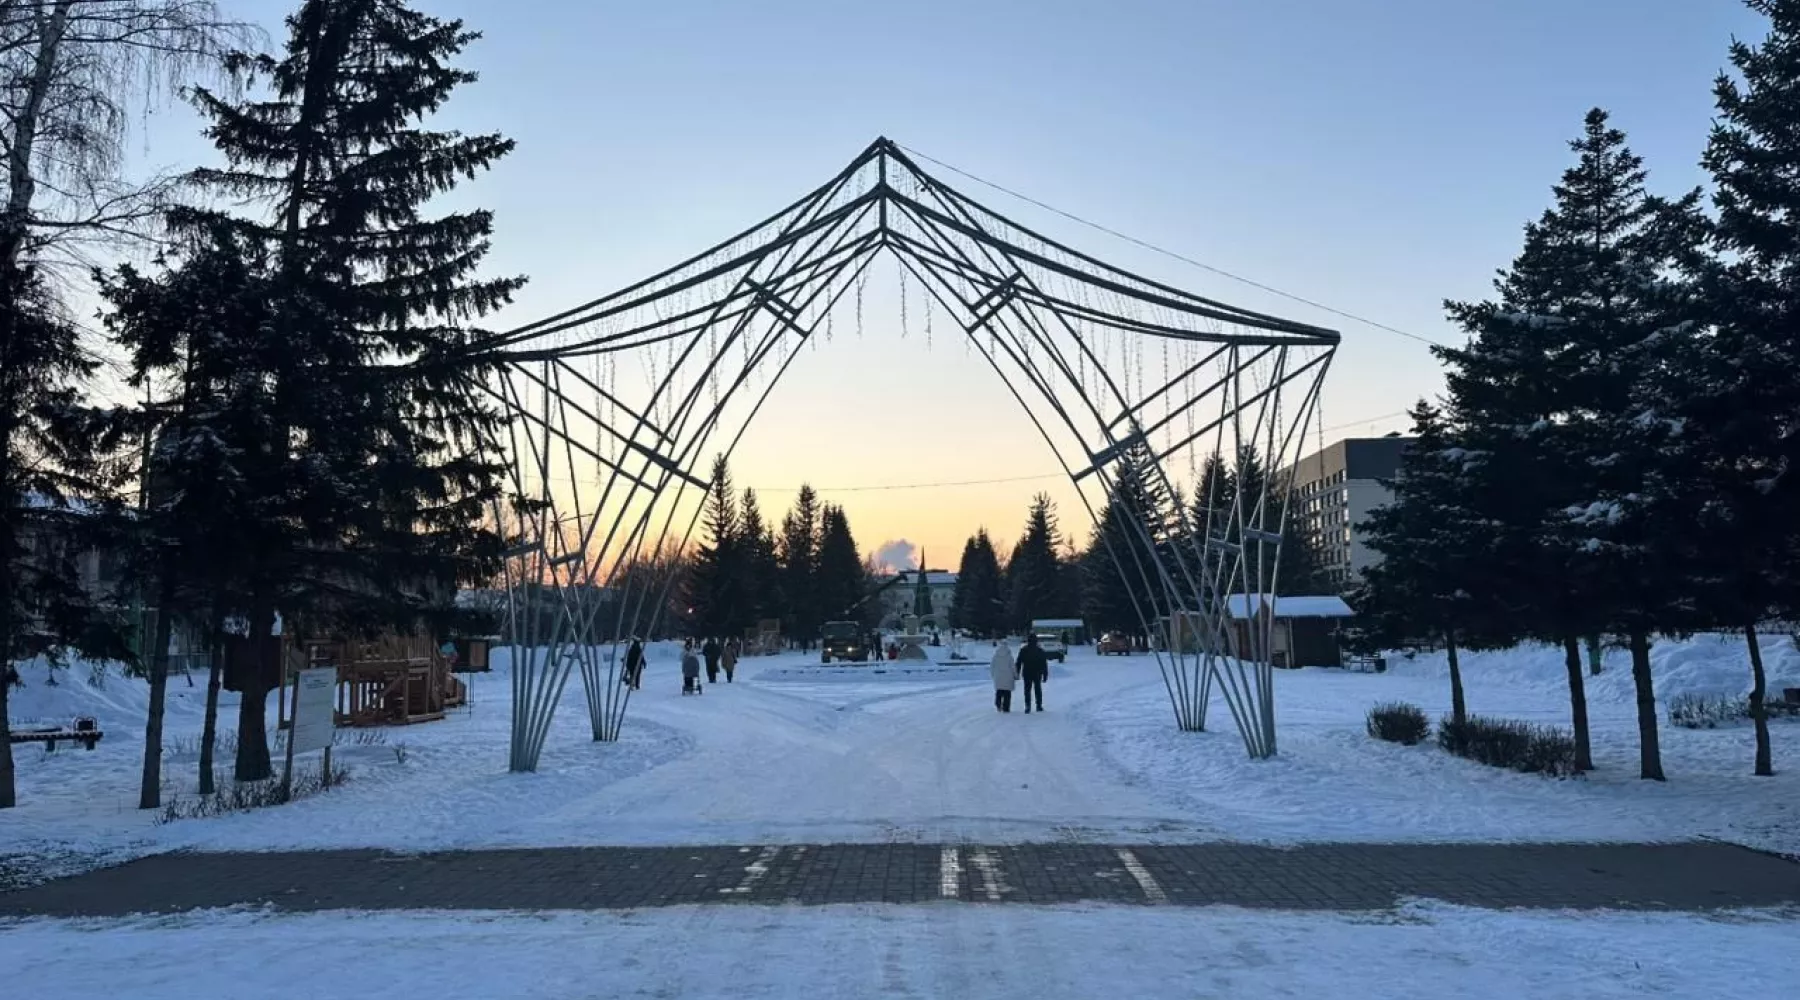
point(908, 486)
point(1359, 423)
point(1180, 257)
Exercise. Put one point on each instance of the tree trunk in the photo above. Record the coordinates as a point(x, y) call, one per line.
point(150, 788)
point(253, 762)
point(1459, 710)
point(1649, 751)
point(21, 182)
point(209, 730)
point(1578, 713)
point(1593, 652)
point(8, 797)
point(1759, 710)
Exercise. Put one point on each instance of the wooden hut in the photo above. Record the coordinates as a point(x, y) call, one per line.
point(1305, 627)
point(390, 680)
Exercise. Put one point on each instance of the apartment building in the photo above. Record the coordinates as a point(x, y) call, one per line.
point(1335, 489)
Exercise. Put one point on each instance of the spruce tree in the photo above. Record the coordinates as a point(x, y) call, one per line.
point(51, 451)
point(762, 569)
point(381, 458)
point(1528, 395)
point(1736, 396)
point(717, 590)
point(978, 603)
point(184, 329)
point(961, 616)
point(1033, 587)
point(1122, 583)
point(1432, 544)
point(841, 582)
point(799, 558)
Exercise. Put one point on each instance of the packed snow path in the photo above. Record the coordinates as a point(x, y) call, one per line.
point(788, 759)
point(1338, 877)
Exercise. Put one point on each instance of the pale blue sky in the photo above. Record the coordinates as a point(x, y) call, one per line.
point(1374, 156)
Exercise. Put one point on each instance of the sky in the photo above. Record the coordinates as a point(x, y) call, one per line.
point(1373, 159)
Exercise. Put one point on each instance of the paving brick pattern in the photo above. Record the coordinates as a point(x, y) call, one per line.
point(1342, 877)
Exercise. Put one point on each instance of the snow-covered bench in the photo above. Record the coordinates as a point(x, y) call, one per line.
point(1366, 664)
point(84, 730)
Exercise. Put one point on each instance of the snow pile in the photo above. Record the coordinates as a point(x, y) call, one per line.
point(1706, 664)
point(1331, 781)
point(1425, 952)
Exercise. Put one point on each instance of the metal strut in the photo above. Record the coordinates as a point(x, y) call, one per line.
point(607, 481)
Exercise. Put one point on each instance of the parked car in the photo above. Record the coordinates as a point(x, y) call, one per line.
point(1113, 642)
point(1052, 645)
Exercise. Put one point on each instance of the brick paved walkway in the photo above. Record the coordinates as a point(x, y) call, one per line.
point(1696, 876)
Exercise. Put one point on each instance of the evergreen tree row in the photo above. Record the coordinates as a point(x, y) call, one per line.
point(741, 572)
point(1614, 455)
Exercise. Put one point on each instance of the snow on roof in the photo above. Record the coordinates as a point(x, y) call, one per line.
point(1057, 623)
point(1295, 606)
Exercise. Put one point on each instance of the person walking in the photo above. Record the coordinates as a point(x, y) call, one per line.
point(1005, 676)
point(690, 668)
point(728, 658)
point(711, 652)
point(634, 665)
point(1034, 669)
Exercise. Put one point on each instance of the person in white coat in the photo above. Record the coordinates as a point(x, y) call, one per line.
point(1005, 676)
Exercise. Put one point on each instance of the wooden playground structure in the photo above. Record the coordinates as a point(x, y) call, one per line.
point(390, 680)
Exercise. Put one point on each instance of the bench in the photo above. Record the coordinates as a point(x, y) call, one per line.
point(1366, 664)
point(85, 731)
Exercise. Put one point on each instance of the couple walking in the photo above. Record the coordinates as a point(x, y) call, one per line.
point(1032, 667)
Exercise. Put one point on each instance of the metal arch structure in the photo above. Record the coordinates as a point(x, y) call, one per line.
point(617, 406)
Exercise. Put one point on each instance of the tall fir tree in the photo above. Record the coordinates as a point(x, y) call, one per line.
point(1735, 396)
point(718, 583)
point(1431, 544)
point(799, 558)
point(761, 565)
point(184, 330)
point(1123, 588)
point(382, 463)
point(978, 603)
point(1541, 372)
point(1033, 587)
point(841, 582)
point(51, 449)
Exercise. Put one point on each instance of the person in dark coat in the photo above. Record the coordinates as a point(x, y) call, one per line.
point(1034, 669)
point(634, 665)
point(710, 651)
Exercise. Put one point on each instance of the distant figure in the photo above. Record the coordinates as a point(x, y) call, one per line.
point(634, 665)
point(1034, 669)
point(690, 668)
point(1005, 675)
point(711, 652)
point(728, 658)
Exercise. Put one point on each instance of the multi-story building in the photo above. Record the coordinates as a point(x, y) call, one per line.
point(897, 600)
point(1334, 490)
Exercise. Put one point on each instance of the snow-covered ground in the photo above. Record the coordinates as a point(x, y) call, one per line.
point(966, 951)
point(794, 753)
